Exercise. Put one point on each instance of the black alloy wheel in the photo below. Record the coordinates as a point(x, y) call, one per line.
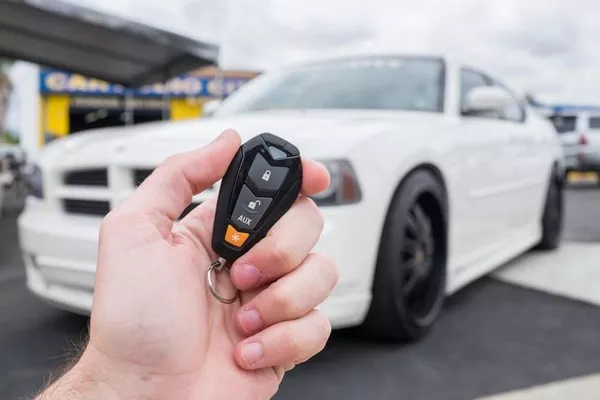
point(410, 276)
point(419, 289)
point(553, 216)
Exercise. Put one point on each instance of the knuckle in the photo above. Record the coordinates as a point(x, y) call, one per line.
point(169, 161)
point(283, 258)
point(315, 211)
point(328, 269)
point(294, 346)
point(323, 326)
point(283, 301)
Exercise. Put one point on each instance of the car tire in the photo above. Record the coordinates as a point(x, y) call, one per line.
point(553, 215)
point(413, 247)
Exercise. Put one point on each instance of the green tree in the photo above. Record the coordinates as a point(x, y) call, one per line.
point(5, 89)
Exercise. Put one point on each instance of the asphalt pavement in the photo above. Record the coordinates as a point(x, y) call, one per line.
point(492, 337)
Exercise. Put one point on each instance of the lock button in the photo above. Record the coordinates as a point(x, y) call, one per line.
point(249, 209)
point(264, 176)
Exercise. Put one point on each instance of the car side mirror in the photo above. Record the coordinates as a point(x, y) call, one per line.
point(487, 99)
point(210, 107)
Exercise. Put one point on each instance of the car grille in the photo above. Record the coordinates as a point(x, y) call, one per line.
point(88, 191)
point(140, 175)
point(87, 177)
point(86, 207)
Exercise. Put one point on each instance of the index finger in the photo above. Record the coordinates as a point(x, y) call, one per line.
point(171, 186)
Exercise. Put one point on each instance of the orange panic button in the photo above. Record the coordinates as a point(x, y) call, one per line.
point(234, 237)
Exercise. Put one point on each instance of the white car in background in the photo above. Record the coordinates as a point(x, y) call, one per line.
point(579, 133)
point(440, 174)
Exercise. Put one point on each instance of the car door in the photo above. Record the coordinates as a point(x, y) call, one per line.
point(525, 162)
point(481, 148)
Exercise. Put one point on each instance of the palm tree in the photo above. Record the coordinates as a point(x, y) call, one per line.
point(5, 89)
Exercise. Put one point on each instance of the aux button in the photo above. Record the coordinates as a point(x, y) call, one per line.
point(249, 209)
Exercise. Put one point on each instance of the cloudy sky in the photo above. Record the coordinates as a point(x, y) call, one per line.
point(546, 46)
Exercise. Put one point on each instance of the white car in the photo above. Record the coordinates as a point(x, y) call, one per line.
point(440, 174)
point(579, 133)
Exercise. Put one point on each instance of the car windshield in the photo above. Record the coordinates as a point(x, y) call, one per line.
point(594, 123)
point(564, 123)
point(377, 83)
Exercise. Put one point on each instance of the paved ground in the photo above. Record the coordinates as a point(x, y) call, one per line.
point(493, 337)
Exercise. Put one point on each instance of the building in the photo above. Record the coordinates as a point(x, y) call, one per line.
point(72, 103)
point(47, 104)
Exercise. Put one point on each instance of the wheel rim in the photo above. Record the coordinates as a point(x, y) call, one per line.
point(420, 283)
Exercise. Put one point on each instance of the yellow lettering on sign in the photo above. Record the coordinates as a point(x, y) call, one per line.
point(194, 87)
point(215, 88)
point(176, 86)
point(78, 82)
point(98, 85)
point(56, 82)
point(230, 87)
point(158, 88)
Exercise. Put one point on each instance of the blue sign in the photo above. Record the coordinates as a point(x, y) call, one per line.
point(52, 81)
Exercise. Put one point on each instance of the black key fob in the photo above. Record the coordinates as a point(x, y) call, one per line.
point(259, 187)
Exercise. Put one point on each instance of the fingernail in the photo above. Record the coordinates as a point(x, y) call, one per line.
point(250, 321)
point(246, 276)
point(252, 353)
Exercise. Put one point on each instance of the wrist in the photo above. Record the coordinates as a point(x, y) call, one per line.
point(97, 376)
point(82, 381)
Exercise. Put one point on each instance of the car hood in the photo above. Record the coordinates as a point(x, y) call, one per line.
point(317, 134)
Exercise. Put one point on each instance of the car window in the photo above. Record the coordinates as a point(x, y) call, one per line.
point(515, 111)
point(594, 122)
point(469, 80)
point(564, 123)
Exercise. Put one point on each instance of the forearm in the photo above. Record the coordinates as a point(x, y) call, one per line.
point(97, 377)
point(82, 381)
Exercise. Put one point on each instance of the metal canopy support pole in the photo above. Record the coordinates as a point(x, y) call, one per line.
point(221, 80)
point(129, 107)
point(165, 98)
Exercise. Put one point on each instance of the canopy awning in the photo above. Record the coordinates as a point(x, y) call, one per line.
point(57, 34)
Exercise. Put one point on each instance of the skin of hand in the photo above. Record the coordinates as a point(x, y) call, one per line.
point(156, 332)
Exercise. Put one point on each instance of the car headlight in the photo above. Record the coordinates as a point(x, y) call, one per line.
point(33, 175)
point(344, 187)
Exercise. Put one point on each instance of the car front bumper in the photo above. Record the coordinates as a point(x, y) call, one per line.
point(60, 251)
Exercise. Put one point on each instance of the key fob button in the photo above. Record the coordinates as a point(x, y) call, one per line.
point(276, 153)
point(249, 209)
point(235, 238)
point(265, 176)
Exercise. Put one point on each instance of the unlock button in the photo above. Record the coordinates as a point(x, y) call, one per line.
point(249, 209)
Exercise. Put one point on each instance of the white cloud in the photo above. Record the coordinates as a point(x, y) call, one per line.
point(548, 46)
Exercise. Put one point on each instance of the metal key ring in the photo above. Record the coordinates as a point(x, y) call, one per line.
point(219, 266)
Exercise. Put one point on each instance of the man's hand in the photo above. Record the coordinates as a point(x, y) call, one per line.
point(156, 331)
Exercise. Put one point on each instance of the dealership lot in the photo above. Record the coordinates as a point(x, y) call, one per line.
point(497, 335)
